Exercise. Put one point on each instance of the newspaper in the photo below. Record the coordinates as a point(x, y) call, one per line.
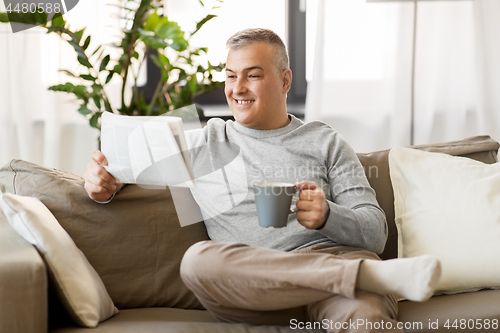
point(148, 151)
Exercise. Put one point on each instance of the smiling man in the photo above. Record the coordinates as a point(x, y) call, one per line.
point(256, 86)
point(298, 273)
point(323, 266)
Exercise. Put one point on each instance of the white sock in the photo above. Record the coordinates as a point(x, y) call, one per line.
point(413, 278)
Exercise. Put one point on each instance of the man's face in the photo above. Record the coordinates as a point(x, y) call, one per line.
point(255, 91)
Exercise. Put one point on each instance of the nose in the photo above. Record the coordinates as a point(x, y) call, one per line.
point(240, 86)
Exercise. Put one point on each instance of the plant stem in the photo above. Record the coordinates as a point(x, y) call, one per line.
point(155, 97)
point(132, 38)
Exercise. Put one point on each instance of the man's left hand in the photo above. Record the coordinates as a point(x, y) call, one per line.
point(313, 208)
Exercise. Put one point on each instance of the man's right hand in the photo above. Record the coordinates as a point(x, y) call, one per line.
point(99, 183)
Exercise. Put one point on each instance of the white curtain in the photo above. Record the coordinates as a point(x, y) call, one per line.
point(362, 70)
point(37, 125)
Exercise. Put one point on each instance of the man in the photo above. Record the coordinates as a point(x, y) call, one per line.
point(322, 267)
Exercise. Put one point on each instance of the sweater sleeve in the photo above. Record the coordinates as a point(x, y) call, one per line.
point(355, 217)
point(362, 226)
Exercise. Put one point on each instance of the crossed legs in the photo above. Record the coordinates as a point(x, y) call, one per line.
point(239, 283)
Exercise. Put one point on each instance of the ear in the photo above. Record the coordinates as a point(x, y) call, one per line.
point(286, 78)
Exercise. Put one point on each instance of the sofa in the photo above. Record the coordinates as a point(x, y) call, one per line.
point(135, 244)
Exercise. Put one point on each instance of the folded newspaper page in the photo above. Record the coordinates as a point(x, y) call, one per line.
point(148, 151)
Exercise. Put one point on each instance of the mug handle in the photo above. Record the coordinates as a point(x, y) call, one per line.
point(295, 209)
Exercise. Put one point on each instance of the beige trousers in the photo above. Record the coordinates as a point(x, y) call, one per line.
point(314, 286)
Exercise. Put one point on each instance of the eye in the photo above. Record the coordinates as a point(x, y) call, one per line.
point(254, 76)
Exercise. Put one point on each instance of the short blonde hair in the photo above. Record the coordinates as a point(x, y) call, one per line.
point(249, 36)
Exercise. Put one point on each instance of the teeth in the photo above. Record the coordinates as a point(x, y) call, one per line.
point(243, 102)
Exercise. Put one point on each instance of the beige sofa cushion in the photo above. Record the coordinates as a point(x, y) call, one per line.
point(376, 164)
point(167, 320)
point(476, 312)
point(135, 242)
point(447, 206)
point(24, 277)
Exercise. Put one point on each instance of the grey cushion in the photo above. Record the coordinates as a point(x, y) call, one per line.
point(135, 242)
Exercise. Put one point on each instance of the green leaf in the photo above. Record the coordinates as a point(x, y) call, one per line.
point(26, 18)
point(87, 43)
point(84, 61)
point(164, 60)
point(96, 50)
point(83, 110)
point(88, 77)
point(182, 75)
point(67, 72)
point(179, 45)
point(97, 101)
point(4, 18)
point(202, 22)
point(77, 47)
point(152, 22)
point(81, 91)
point(58, 20)
point(79, 34)
point(104, 63)
point(191, 84)
point(154, 42)
point(123, 60)
point(67, 87)
point(169, 30)
point(118, 69)
point(97, 87)
point(74, 44)
point(107, 106)
point(94, 120)
point(109, 77)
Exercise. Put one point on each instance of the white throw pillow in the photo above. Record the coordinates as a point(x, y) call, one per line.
point(78, 285)
point(449, 207)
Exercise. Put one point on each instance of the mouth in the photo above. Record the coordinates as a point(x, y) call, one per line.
point(244, 101)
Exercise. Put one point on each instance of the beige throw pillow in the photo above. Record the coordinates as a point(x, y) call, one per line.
point(449, 207)
point(136, 218)
point(79, 287)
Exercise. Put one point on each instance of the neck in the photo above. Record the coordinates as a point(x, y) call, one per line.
point(276, 123)
point(284, 122)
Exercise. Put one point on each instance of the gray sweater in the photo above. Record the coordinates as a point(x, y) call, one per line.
point(230, 158)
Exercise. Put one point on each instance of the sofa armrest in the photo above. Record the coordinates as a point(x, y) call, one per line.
point(23, 284)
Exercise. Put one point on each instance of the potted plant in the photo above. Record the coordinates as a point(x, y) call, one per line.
point(145, 33)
